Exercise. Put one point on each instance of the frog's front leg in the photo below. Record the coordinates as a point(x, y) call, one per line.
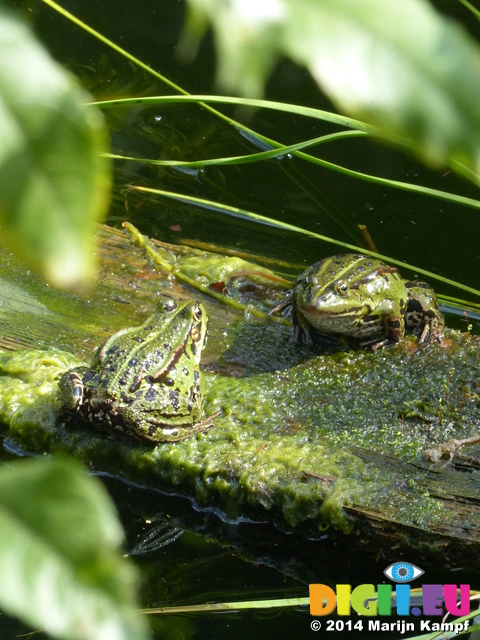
point(301, 326)
point(395, 327)
point(153, 425)
point(393, 324)
point(157, 432)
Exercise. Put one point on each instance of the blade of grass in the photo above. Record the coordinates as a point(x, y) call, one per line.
point(311, 112)
point(248, 215)
point(201, 99)
point(228, 606)
point(471, 8)
point(459, 310)
point(265, 604)
point(278, 152)
point(459, 306)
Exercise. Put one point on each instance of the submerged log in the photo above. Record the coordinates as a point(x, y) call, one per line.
point(310, 440)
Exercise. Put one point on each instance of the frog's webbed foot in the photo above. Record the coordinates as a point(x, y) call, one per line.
point(302, 333)
point(206, 423)
point(389, 340)
point(432, 331)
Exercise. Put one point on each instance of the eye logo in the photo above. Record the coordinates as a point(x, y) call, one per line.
point(403, 572)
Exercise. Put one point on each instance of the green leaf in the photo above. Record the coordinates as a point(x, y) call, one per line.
point(53, 180)
point(399, 66)
point(61, 567)
point(249, 38)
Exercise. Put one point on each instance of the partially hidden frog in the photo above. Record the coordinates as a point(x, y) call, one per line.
point(363, 298)
point(144, 381)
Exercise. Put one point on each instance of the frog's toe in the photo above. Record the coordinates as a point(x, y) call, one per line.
point(374, 345)
point(431, 332)
point(285, 306)
point(302, 334)
point(70, 388)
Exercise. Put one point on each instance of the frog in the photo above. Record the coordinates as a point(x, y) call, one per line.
point(361, 297)
point(144, 381)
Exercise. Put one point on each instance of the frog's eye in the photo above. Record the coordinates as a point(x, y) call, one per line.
point(170, 305)
point(197, 313)
point(342, 288)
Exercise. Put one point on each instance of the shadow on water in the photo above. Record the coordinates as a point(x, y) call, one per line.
point(258, 347)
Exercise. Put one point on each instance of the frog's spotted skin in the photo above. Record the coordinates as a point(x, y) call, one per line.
point(145, 380)
point(363, 298)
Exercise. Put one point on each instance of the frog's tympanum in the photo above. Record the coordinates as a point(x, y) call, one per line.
point(146, 380)
point(363, 298)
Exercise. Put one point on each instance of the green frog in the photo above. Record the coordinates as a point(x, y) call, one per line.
point(363, 298)
point(145, 381)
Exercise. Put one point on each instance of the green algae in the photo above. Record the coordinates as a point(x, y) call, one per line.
point(28, 383)
point(238, 465)
point(287, 439)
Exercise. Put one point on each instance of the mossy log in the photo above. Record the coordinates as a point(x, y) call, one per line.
point(312, 440)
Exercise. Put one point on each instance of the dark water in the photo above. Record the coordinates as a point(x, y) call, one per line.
point(214, 560)
point(423, 231)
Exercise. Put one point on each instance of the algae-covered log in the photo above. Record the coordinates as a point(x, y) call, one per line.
point(310, 440)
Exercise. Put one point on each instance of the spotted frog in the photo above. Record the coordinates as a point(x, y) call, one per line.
point(363, 298)
point(145, 381)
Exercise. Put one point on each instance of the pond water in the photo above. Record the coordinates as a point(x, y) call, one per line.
point(214, 560)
